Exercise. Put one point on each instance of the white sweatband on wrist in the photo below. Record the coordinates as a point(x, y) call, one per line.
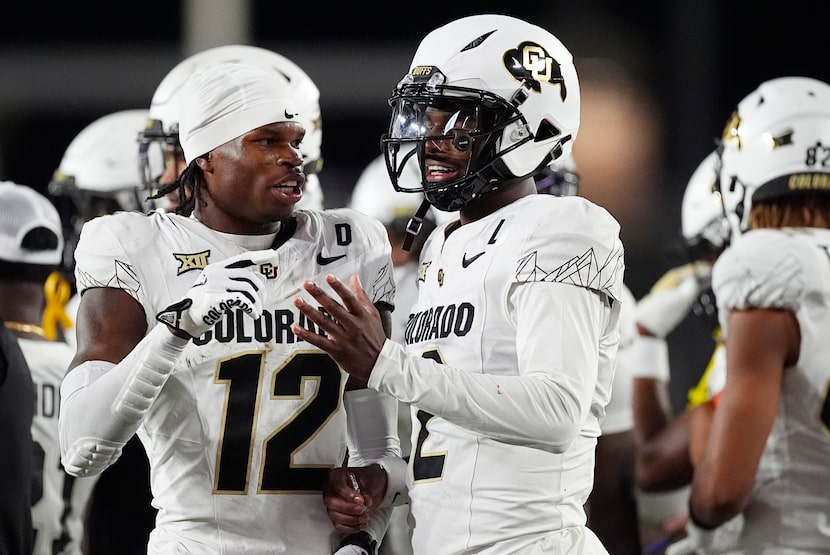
point(662, 310)
point(651, 358)
point(372, 438)
point(102, 404)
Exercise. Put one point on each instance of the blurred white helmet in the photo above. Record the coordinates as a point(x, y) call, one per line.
point(702, 219)
point(775, 144)
point(102, 161)
point(504, 89)
point(162, 126)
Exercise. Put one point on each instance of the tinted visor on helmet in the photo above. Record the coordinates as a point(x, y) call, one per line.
point(454, 132)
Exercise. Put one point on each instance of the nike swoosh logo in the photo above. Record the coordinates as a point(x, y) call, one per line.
point(324, 260)
point(467, 261)
point(288, 115)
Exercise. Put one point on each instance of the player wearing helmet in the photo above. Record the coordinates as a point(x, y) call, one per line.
point(767, 447)
point(510, 347)
point(161, 156)
point(184, 339)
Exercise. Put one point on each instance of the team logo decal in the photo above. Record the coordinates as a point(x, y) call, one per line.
point(268, 270)
point(422, 271)
point(188, 262)
point(531, 63)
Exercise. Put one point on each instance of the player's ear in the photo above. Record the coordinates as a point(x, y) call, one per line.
point(205, 162)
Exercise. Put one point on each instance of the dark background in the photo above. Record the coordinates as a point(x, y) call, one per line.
point(63, 65)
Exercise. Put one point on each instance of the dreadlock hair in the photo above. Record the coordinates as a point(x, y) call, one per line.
point(803, 210)
point(191, 179)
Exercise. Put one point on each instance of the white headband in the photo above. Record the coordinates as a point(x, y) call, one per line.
point(225, 101)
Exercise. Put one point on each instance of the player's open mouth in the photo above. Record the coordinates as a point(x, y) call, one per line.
point(437, 173)
point(291, 191)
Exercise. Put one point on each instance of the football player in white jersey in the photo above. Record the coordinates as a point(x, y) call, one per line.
point(184, 334)
point(511, 346)
point(31, 248)
point(766, 454)
point(161, 154)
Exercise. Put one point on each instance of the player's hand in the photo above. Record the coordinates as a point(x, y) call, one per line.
point(236, 283)
point(354, 334)
point(671, 298)
point(350, 493)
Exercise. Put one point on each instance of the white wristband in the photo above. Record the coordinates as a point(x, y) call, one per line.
point(651, 358)
point(373, 438)
point(372, 426)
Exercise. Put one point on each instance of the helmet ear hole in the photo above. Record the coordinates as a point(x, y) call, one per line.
point(545, 131)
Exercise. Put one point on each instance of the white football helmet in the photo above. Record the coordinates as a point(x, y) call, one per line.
point(702, 219)
point(510, 92)
point(162, 126)
point(102, 161)
point(776, 143)
point(99, 173)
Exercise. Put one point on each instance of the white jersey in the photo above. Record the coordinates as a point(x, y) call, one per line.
point(245, 430)
point(58, 499)
point(789, 509)
point(521, 307)
point(619, 413)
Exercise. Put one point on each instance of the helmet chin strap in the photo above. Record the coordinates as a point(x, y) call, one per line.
point(413, 226)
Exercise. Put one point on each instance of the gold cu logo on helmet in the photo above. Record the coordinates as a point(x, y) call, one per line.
point(537, 62)
point(531, 63)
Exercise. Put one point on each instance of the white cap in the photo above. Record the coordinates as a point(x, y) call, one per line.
point(225, 101)
point(22, 209)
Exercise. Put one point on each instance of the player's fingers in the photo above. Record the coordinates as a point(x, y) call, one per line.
point(337, 311)
point(317, 317)
point(345, 294)
point(360, 295)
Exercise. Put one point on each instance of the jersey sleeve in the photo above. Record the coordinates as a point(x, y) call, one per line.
point(762, 269)
point(576, 242)
point(103, 260)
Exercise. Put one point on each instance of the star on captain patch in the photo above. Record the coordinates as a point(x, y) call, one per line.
point(188, 262)
point(422, 271)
